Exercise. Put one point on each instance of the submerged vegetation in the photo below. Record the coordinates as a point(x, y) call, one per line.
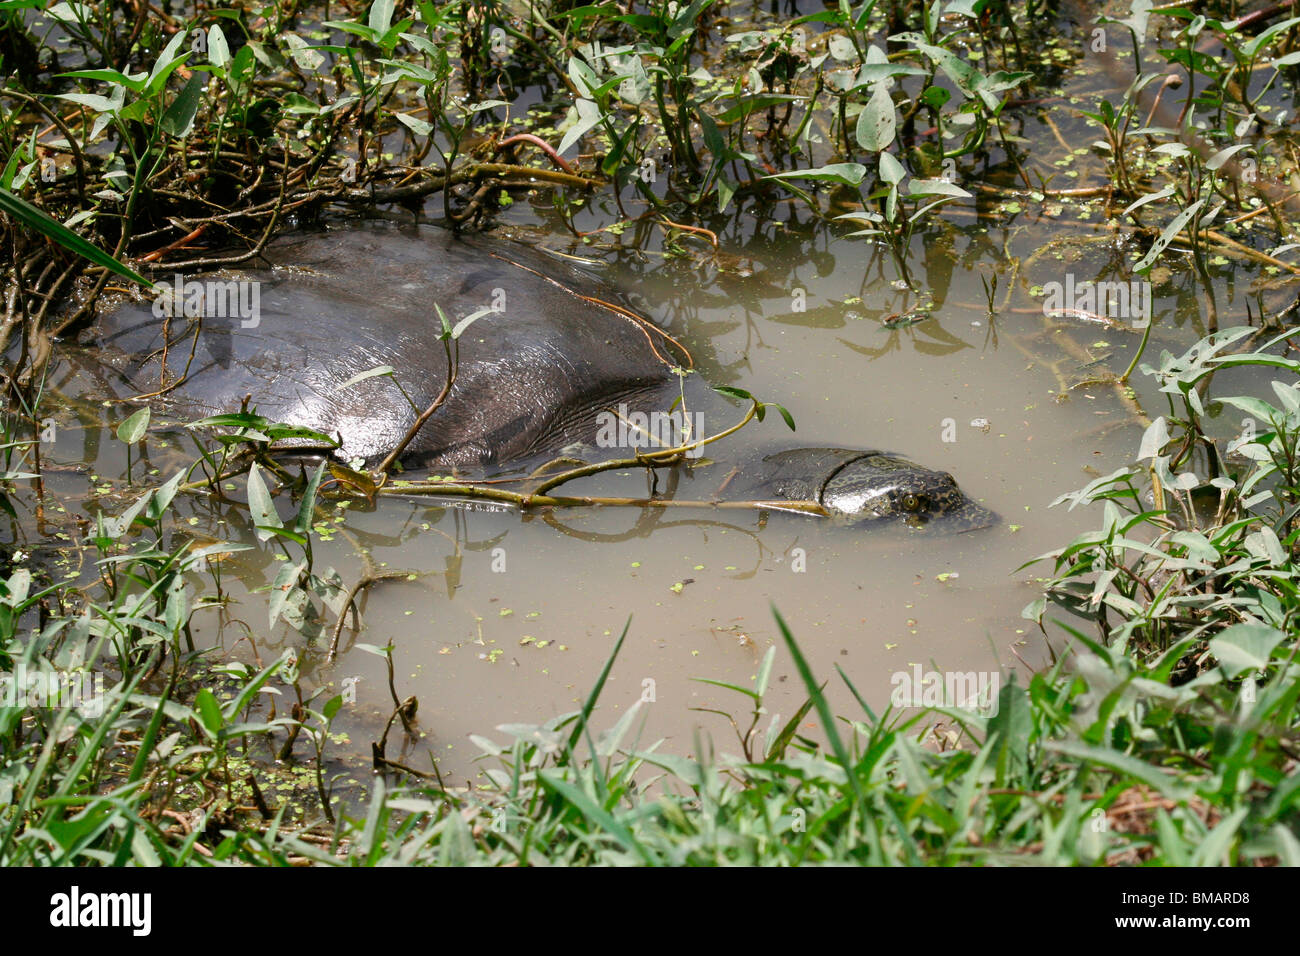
point(137, 143)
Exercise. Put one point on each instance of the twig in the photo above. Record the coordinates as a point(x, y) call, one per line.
point(541, 144)
point(453, 365)
point(349, 603)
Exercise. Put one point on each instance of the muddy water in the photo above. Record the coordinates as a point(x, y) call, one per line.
point(504, 619)
point(521, 630)
point(509, 619)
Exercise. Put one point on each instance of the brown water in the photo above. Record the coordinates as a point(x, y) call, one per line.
point(510, 619)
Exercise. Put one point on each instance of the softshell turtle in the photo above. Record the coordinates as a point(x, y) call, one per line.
point(856, 485)
point(548, 350)
point(535, 368)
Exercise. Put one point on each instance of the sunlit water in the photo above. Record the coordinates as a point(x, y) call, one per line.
point(510, 618)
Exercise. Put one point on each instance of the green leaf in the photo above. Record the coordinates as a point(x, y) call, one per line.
point(179, 118)
point(1168, 235)
point(819, 701)
point(283, 589)
point(776, 745)
point(446, 322)
point(135, 426)
point(1214, 848)
point(964, 76)
point(277, 431)
point(935, 97)
point(736, 687)
point(205, 702)
point(332, 707)
point(935, 187)
point(416, 125)
point(260, 505)
point(765, 671)
point(589, 114)
point(1245, 647)
point(877, 123)
point(218, 49)
point(1163, 783)
point(381, 16)
point(596, 689)
point(349, 26)
point(597, 814)
point(1252, 47)
point(277, 531)
point(250, 690)
point(1012, 724)
point(168, 61)
point(303, 53)
point(733, 392)
point(785, 413)
point(849, 174)
point(232, 420)
point(470, 319)
point(873, 73)
point(891, 170)
point(134, 83)
point(1154, 439)
point(1258, 409)
point(308, 504)
point(748, 105)
point(1223, 155)
point(33, 218)
point(369, 373)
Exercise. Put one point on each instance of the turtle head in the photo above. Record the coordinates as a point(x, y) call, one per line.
point(879, 487)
